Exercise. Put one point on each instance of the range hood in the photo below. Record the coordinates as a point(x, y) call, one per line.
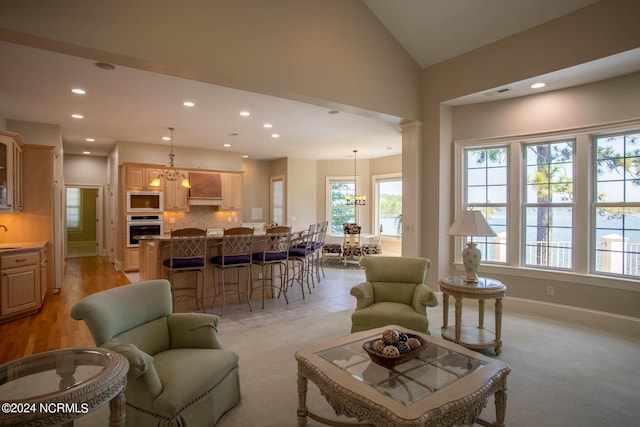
point(206, 189)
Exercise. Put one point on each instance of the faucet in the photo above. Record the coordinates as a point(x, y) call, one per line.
point(4, 226)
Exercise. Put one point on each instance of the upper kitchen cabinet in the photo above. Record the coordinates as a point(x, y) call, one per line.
point(138, 177)
point(10, 172)
point(231, 191)
point(175, 196)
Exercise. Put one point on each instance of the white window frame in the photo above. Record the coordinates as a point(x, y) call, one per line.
point(375, 179)
point(584, 182)
point(328, 181)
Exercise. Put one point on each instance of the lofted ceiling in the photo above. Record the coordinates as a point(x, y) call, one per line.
point(126, 104)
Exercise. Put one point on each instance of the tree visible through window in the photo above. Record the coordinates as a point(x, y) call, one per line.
point(340, 211)
point(617, 212)
point(549, 204)
point(486, 191)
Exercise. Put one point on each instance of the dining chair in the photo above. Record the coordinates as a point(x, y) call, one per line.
point(351, 243)
point(187, 254)
point(373, 248)
point(275, 253)
point(236, 252)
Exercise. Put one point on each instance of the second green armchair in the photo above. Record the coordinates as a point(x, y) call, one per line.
point(394, 293)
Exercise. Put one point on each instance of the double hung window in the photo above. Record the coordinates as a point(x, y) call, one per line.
point(486, 191)
point(617, 204)
point(553, 212)
point(339, 211)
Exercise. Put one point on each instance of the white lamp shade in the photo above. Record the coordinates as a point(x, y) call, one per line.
point(471, 223)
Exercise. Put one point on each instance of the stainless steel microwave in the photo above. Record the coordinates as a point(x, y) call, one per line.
point(144, 201)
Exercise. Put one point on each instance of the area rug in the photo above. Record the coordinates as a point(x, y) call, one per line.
point(339, 264)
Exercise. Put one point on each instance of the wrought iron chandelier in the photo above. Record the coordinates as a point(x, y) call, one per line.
point(356, 199)
point(170, 173)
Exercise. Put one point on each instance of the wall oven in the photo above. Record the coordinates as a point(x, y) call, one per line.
point(144, 201)
point(142, 225)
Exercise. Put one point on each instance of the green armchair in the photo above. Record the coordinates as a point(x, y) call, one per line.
point(394, 293)
point(179, 375)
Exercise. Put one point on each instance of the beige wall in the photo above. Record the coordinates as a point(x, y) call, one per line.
point(295, 44)
point(185, 157)
point(85, 170)
point(574, 110)
point(255, 189)
point(301, 192)
point(570, 40)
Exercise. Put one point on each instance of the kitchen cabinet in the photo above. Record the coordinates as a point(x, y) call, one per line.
point(131, 259)
point(21, 286)
point(231, 191)
point(10, 172)
point(175, 196)
point(138, 177)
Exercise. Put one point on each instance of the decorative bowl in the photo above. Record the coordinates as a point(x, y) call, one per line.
point(391, 361)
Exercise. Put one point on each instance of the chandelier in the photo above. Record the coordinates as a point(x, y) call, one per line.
point(356, 199)
point(170, 173)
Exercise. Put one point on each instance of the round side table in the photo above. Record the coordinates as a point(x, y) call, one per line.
point(59, 386)
point(472, 337)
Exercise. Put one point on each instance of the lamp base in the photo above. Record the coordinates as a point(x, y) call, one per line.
point(471, 259)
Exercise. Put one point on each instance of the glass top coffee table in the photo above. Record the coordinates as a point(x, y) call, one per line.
point(59, 386)
point(446, 384)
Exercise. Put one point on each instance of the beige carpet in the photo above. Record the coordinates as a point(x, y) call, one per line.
point(562, 375)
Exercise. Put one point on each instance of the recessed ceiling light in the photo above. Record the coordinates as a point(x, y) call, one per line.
point(267, 125)
point(275, 135)
point(538, 85)
point(334, 112)
point(86, 152)
point(227, 145)
point(77, 116)
point(189, 104)
point(245, 113)
point(166, 138)
point(245, 156)
point(105, 66)
point(90, 140)
point(78, 91)
point(233, 134)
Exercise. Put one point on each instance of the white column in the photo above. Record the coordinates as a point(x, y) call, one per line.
point(411, 177)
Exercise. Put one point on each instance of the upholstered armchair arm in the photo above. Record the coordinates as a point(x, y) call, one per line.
point(140, 365)
point(363, 292)
point(193, 330)
point(423, 297)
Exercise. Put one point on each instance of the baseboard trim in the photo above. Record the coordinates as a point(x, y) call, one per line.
point(608, 322)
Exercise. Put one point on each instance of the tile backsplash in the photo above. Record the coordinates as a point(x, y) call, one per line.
point(202, 217)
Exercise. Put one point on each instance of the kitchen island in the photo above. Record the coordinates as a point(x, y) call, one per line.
point(155, 249)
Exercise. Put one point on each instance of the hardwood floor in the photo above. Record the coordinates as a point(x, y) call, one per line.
point(53, 327)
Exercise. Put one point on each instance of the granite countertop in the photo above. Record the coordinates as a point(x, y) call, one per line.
point(20, 246)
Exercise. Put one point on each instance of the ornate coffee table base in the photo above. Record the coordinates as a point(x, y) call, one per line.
point(464, 410)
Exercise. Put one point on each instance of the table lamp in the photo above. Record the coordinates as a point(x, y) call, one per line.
point(471, 223)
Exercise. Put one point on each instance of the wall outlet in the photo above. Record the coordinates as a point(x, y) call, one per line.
point(259, 275)
point(551, 290)
point(172, 220)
